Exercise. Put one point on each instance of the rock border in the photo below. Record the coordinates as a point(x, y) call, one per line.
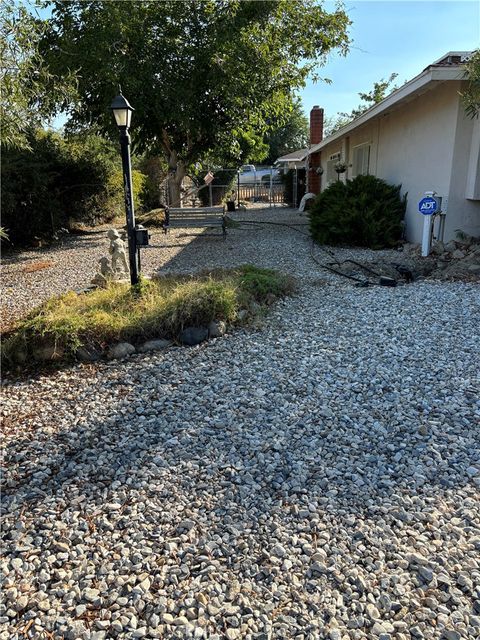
point(190, 336)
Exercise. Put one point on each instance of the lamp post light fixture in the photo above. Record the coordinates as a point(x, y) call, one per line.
point(123, 115)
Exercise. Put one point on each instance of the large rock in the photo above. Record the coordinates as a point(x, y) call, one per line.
point(87, 354)
point(193, 335)
point(154, 345)
point(438, 248)
point(20, 356)
point(451, 246)
point(120, 350)
point(217, 329)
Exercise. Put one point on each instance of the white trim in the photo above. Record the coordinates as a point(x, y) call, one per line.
point(415, 85)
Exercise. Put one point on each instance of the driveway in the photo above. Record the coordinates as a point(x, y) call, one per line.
point(316, 476)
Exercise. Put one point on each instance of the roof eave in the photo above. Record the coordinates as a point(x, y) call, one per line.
point(431, 74)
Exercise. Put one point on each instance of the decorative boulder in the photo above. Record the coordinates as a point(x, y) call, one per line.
point(154, 345)
point(193, 335)
point(48, 351)
point(120, 350)
point(217, 329)
point(87, 354)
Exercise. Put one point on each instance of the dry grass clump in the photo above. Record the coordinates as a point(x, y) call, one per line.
point(158, 308)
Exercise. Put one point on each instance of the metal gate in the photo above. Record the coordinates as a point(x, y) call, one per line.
point(228, 184)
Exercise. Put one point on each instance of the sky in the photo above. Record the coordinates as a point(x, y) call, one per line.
point(392, 36)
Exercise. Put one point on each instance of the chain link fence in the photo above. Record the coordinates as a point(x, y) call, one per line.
point(266, 185)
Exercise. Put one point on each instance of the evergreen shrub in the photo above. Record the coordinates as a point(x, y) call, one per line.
point(363, 212)
point(60, 181)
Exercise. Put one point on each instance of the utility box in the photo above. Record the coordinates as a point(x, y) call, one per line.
point(141, 236)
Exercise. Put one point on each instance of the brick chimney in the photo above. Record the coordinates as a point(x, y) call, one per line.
point(316, 136)
point(316, 125)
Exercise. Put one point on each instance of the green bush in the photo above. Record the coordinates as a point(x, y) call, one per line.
point(364, 212)
point(59, 181)
point(155, 169)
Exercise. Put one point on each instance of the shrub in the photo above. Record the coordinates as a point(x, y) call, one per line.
point(155, 169)
point(365, 212)
point(59, 181)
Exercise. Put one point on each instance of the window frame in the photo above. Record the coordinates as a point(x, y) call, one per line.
point(356, 148)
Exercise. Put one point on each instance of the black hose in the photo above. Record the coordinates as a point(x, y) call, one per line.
point(327, 267)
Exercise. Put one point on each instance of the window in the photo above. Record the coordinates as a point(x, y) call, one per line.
point(361, 160)
point(331, 162)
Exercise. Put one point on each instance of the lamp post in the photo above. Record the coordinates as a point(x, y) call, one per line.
point(123, 115)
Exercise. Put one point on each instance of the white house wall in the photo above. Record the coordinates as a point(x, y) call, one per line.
point(414, 145)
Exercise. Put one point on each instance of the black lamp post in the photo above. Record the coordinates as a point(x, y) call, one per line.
point(123, 115)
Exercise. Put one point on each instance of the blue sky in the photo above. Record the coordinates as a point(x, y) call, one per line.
point(392, 36)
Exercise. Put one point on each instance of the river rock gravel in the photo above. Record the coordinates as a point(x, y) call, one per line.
point(314, 477)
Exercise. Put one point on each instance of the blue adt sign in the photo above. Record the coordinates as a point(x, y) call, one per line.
point(427, 206)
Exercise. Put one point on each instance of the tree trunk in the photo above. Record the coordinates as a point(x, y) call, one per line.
point(175, 185)
point(176, 172)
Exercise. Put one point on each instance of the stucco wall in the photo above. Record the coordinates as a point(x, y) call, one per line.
point(414, 145)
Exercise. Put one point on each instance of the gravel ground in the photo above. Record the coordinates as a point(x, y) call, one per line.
point(74, 260)
point(316, 477)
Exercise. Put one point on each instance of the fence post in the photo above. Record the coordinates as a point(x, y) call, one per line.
point(270, 191)
point(295, 189)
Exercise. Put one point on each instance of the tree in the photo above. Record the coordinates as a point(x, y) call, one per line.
point(379, 92)
point(331, 124)
point(201, 74)
point(471, 96)
point(287, 135)
point(28, 88)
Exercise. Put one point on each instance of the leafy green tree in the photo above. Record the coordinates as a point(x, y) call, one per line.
point(379, 92)
point(287, 134)
point(331, 124)
point(471, 96)
point(28, 88)
point(202, 75)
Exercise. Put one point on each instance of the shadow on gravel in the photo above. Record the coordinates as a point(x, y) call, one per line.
point(243, 468)
point(243, 245)
point(67, 243)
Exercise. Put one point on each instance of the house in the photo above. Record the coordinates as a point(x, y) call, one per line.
point(420, 137)
point(293, 160)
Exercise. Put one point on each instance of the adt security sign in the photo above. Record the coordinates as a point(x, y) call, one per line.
point(428, 206)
